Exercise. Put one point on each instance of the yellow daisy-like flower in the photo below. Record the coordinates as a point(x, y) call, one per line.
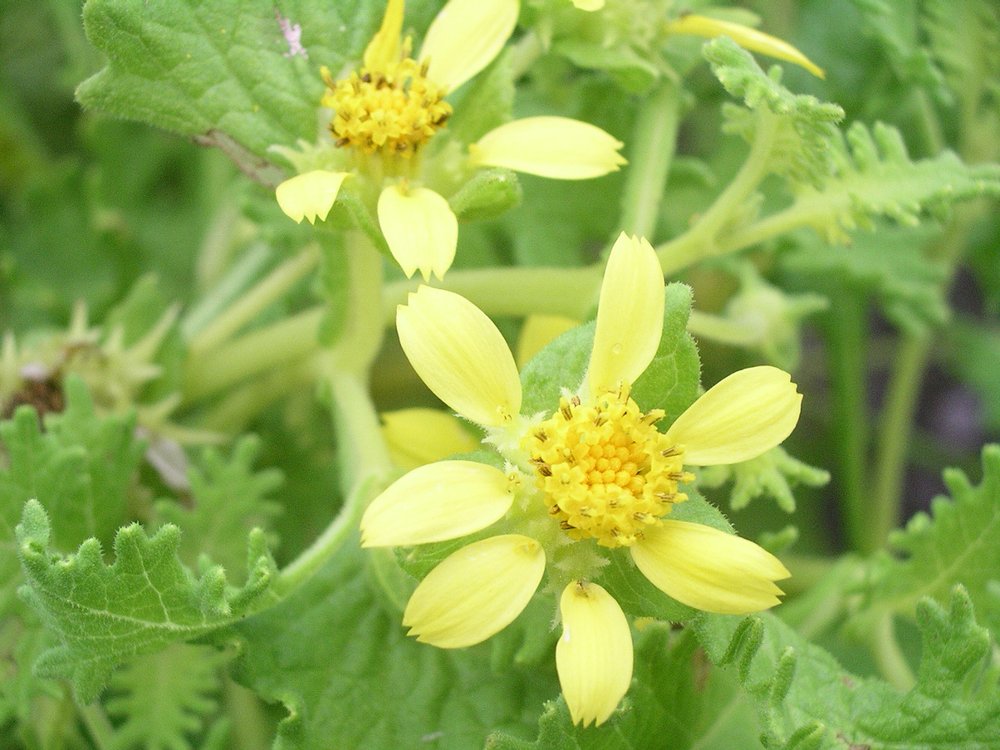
point(589, 478)
point(387, 111)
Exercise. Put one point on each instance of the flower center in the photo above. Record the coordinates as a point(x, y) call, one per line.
point(605, 469)
point(393, 110)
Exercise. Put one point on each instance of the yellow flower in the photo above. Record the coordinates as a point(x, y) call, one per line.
point(592, 476)
point(386, 112)
point(421, 436)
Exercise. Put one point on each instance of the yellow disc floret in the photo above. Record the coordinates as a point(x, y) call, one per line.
point(605, 470)
point(396, 109)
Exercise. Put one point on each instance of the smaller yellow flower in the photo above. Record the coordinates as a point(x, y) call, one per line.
point(387, 113)
point(581, 482)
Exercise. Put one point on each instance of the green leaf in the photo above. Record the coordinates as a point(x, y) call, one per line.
point(806, 699)
point(144, 601)
point(82, 465)
point(768, 474)
point(228, 500)
point(677, 700)
point(489, 193)
point(349, 677)
point(954, 544)
point(485, 103)
point(171, 710)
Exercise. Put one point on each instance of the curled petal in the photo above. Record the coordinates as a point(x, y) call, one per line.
point(476, 592)
point(460, 355)
point(709, 569)
point(746, 37)
point(738, 418)
point(556, 147)
point(384, 48)
point(421, 436)
point(420, 229)
point(310, 195)
point(435, 502)
point(464, 38)
point(629, 315)
point(594, 653)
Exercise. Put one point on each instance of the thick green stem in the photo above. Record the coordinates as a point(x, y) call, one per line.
point(651, 149)
point(362, 333)
point(700, 241)
point(891, 663)
point(847, 346)
point(722, 330)
point(253, 301)
point(98, 725)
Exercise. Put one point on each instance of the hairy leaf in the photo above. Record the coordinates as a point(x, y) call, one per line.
point(104, 614)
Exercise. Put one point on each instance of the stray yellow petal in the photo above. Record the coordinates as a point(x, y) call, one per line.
point(746, 37)
point(420, 229)
point(421, 436)
point(738, 418)
point(465, 37)
point(556, 147)
point(594, 653)
point(432, 503)
point(310, 195)
point(589, 5)
point(709, 569)
point(383, 50)
point(538, 331)
point(629, 316)
point(460, 355)
point(476, 592)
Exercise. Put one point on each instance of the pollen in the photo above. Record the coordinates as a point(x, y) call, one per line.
point(605, 470)
point(394, 111)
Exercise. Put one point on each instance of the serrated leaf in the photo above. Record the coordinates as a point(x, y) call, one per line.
point(228, 500)
point(807, 700)
point(172, 710)
point(349, 677)
point(768, 474)
point(954, 544)
point(145, 600)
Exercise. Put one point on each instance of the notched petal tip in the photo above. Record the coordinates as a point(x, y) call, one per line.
point(420, 229)
point(310, 195)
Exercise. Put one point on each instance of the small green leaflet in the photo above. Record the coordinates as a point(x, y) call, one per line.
point(144, 601)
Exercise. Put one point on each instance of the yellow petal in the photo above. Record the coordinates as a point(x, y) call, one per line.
point(594, 653)
point(476, 592)
point(421, 436)
point(709, 569)
point(556, 147)
point(746, 37)
point(420, 229)
point(310, 195)
point(383, 49)
point(432, 503)
point(739, 418)
point(538, 331)
point(589, 5)
point(464, 38)
point(629, 316)
point(460, 355)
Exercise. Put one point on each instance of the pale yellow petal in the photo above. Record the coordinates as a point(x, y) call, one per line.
point(556, 147)
point(460, 355)
point(421, 436)
point(594, 653)
point(538, 331)
point(709, 569)
point(420, 229)
point(476, 592)
point(746, 37)
point(432, 503)
point(589, 5)
point(465, 37)
point(629, 316)
point(738, 418)
point(310, 195)
point(383, 49)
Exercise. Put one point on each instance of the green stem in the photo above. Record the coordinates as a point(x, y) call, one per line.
point(523, 53)
point(231, 414)
point(98, 726)
point(847, 346)
point(362, 333)
point(707, 326)
point(700, 241)
point(891, 663)
point(251, 728)
point(651, 149)
point(252, 302)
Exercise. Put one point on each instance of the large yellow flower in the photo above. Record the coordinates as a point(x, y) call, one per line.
point(590, 477)
point(386, 112)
